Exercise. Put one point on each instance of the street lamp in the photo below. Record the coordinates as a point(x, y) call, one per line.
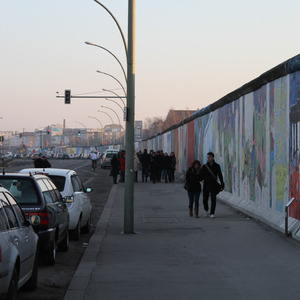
point(129, 145)
point(87, 136)
point(110, 91)
point(101, 126)
point(98, 71)
point(116, 103)
point(92, 44)
point(112, 123)
point(118, 120)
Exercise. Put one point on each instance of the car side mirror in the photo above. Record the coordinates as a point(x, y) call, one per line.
point(88, 189)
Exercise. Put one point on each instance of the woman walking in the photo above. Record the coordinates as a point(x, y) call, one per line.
point(192, 179)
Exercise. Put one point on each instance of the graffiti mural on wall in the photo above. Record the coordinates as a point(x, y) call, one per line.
point(280, 165)
point(294, 143)
point(256, 140)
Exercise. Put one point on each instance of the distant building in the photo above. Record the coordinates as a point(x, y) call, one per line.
point(175, 116)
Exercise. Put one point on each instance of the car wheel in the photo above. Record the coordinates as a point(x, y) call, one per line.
point(13, 287)
point(64, 244)
point(31, 284)
point(50, 255)
point(75, 233)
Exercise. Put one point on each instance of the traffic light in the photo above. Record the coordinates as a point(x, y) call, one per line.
point(67, 96)
point(1, 138)
point(24, 146)
point(78, 133)
point(48, 131)
point(20, 135)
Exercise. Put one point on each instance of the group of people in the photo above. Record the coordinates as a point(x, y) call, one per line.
point(209, 173)
point(157, 166)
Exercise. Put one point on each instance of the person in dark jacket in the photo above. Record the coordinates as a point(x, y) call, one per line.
point(159, 161)
point(41, 162)
point(192, 180)
point(153, 166)
point(166, 167)
point(145, 159)
point(210, 172)
point(115, 167)
point(172, 166)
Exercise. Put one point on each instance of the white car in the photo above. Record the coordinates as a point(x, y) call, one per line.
point(72, 190)
point(18, 248)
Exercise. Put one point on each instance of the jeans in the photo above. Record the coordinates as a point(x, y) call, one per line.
point(145, 173)
point(213, 198)
point(165, 175)
point(194, 198)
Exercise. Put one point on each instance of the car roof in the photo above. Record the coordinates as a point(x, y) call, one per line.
point(22, 175)
point(50, 171)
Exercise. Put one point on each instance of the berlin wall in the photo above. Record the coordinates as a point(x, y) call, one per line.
point(254, 133)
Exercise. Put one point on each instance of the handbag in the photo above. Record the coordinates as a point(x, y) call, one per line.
point(186, 186)
point(218, 186)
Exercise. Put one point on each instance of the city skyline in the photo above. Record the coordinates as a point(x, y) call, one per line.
point(187, 55)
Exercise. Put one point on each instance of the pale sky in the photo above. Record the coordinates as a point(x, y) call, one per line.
point(189, 54)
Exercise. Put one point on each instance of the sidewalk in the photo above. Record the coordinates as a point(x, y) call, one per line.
point(172, 255)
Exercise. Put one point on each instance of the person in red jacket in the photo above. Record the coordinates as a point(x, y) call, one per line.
point(122, 166)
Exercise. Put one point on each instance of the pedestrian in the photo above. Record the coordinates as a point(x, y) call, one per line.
point(115, 167)
point(172, 166)
point(159, 162)
point(122, 166)
point(153, 167)
point(210, 172)
point(166, 165)
point(136, 164)
point(41, 162)
point(145, 159)
point(192, 180)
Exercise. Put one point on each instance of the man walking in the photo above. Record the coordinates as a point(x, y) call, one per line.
point(210, 172)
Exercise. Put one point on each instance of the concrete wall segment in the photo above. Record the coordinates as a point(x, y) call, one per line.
point(255, 135)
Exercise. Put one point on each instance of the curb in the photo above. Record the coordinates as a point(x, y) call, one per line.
point(79, 283)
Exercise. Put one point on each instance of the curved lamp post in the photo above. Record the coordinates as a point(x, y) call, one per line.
point(116, 103)
point(100, 125)
point(118, 120)
point(112, 122)
point(114, 112)
point(129, 144)
point(87, 136)
point(98, 71)
point(114, 94)
point(92, 44)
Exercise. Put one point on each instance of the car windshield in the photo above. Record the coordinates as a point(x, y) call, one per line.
point(110, 155)
point(22, 189)
point(59, 181)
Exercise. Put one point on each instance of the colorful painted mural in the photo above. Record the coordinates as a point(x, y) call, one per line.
point(256, 140)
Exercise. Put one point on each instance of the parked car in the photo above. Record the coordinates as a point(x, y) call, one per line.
point(105, 160)
point(75, 195)
point(37, 195)
point(18, 248)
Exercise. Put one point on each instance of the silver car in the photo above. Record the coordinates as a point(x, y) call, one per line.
point(105, 160)
point(18, 248)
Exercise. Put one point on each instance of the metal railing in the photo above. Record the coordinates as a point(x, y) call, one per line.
point(287, 233)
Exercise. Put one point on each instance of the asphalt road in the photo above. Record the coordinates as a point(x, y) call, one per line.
point(53, 281)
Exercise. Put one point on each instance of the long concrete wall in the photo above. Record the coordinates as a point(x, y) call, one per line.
point(255, 135)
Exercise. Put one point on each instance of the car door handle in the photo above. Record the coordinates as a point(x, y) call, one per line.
point(16, 241)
